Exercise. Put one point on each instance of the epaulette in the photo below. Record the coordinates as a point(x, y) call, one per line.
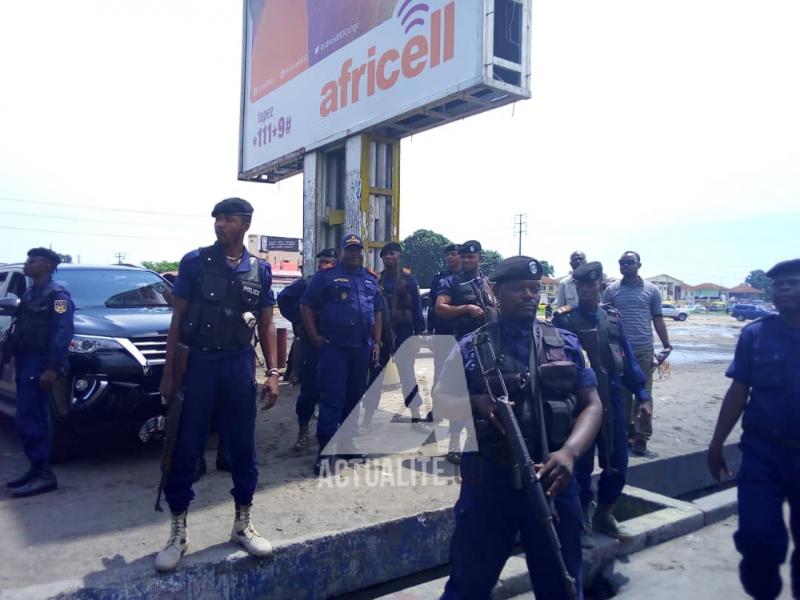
point(564, 309)
point(406, 271)
point(327, 266)
point(372, 272)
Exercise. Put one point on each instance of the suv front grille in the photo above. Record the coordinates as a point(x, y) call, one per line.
point(152, 347)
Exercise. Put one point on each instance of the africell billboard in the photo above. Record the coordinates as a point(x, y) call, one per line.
point(318, 70)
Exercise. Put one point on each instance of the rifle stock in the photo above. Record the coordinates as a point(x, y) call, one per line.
point(590, 342)
point(522, 460)
point(175, 403)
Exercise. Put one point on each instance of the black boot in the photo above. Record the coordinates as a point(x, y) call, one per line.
point(20, 481)
point(43, 481)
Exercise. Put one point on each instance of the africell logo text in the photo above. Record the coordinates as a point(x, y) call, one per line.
point(381, 73)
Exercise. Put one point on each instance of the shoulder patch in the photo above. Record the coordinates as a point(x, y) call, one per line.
point(327, 266)
point(564, 309)
point(341, 280)
point(60, 306)
point(406, 271)
point(610, 310)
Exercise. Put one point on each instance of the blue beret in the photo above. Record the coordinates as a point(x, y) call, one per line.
point(351, 239)
point(787, 267)
point(517, 268)
point(588, 272)
point(232, 206)
point(470, 247)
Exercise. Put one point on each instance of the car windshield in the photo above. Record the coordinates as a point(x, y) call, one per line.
point(115, 288)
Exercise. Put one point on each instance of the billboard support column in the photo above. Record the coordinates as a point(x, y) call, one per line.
point(311, 195)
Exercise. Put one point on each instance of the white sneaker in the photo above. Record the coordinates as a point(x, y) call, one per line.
point(244, 534)
point(171, 555)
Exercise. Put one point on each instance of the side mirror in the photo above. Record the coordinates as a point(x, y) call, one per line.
point(9, 306)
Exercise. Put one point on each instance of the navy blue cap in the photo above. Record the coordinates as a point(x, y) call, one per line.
point(391, 247)
point(327, 253)
point(784, 268)
point(233, 206)
point(588, 272)
point(470, 247)
point(351, 239)
point(46, 254)
point(517, 268)
point(450, 248)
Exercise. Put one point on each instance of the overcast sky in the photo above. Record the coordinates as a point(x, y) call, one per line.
point(671, 128)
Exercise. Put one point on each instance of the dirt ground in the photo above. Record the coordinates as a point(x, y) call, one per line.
point(102, 517)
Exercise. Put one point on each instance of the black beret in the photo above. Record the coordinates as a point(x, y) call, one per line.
point(232, 206)
point(517, 268)
point(450, 248)
point(787, 267)
point(588, 272)
point(391, 247)
point(46, 254)
point(327, 253)
point(470, 247)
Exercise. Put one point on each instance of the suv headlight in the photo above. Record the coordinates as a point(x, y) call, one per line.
point(86, 344)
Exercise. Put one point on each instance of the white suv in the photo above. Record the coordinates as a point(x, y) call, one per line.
point(670, 310)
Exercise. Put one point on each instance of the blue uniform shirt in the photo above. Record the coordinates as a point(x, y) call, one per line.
point(515, 335)
point(435, 324)
point(289, 301)
point(346, 302)
point(62, 326)
point(632, 376)
point(191, 268)
point(417, 320)
point(767, 360)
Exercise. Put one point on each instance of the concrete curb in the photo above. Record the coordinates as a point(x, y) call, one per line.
point(719, 506)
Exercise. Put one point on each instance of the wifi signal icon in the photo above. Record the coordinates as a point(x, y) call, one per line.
point(412, 16)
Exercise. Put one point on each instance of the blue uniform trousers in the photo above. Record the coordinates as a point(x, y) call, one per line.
point(341, 380)
point(32, 418)
point(489, 514)
point(612, 478)
point(309, 394)
point(228, 380)
point(768, 477)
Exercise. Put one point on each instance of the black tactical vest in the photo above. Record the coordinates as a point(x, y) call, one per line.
point(401, 309)
point(32, 332)
point(472, 291)
point(545, 425)
point(609, 332)
point(219, 297)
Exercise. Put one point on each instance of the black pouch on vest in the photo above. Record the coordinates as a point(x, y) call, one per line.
point(559, 418)
point(559, 376)
point(214, 288)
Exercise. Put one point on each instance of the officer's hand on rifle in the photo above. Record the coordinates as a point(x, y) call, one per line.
point(475, 311)
point(47, 379)
point(484, 404)
point(556, 473)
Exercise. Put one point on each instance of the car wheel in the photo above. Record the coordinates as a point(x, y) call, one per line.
point(681, 317)
point(740, 317)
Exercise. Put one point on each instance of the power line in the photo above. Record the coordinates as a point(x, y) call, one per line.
point(90, 220)
point(89, 206)
point(76, 233)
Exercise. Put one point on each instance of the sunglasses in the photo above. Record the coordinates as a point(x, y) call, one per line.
point(627, 262)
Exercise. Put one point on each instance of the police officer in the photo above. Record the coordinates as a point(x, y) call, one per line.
point(42, 333)
point(348, 304)
point(618, 367)
point(437, 326)
point(766, 369)
point(289, 304)
point(491, 509)
point(219, 295)
point(404, 309)
point(466, 302)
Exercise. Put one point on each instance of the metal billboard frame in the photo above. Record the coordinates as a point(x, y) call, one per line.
point(479, 95)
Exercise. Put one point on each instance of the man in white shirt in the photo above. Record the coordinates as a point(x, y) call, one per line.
point(567, 294)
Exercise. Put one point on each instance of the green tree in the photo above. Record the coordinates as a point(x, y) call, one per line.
point(491, 258)
point(547, 268)
point(422, 253)
point(759, 280)
point(161, 266)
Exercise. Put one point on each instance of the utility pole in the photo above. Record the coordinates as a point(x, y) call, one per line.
point(520, 227)
point(121, 256)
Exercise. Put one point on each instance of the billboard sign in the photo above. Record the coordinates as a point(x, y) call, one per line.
point(271, 243)
point(316, 71)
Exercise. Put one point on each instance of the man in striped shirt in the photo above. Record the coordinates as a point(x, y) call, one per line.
point(639, 302)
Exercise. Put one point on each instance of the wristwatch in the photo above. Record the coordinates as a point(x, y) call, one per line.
point(272, 371)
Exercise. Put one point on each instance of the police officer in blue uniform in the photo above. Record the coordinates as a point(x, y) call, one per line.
point(402, 320)
point(347, 302)
point(220, 296)
point(621, 368)
point(289, 304)
point(492, 509)
point(766, 388)
point(437, 326)
point(43, 329)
